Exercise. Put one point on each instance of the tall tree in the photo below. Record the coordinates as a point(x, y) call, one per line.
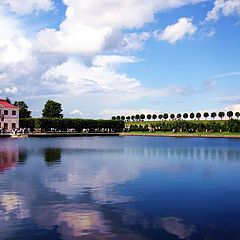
point(23, 109)
point(8, 100)
point(52, 109)
point(221, 115)
point(206, 115)
point(198, 115)
point(230, 114)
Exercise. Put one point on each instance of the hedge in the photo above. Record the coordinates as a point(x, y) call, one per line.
point(231, 125)
point(63, 124)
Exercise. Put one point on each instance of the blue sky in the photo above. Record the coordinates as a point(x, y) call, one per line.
point(109, 57)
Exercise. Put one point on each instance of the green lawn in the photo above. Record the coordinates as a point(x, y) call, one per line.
point(217, 134)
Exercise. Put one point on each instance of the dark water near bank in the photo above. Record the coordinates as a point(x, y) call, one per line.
point(119, 188)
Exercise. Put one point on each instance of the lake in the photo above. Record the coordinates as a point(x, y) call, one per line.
point(119, 188)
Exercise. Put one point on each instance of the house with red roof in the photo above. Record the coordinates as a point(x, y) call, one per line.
point(9, 116)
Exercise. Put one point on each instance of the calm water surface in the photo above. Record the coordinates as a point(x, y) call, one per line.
point(119, 188)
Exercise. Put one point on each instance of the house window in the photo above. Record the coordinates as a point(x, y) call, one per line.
point(5, 125)
point(13, 125)
point(5, 112)
point(14, 113)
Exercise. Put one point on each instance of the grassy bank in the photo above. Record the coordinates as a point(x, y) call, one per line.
point(189, 126)
point(183, 134)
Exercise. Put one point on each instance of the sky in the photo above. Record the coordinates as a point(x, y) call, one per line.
point(101, 58)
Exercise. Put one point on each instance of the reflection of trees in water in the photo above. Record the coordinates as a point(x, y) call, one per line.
point(23, 154)
point(11, 155)
point(52, 156)
point(220, 154)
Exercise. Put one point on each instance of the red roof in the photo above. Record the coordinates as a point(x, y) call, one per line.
point(5, 104)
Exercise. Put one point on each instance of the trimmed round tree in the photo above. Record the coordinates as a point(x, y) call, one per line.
point(237, 115)
point(132, 117)
point(221, 115)
point(149, 116)
point(172, 116)
point(137, 117)
point(160, 116)
point(114, 118)
point(128, 118)
point(185, 115)
point(122, 118)
point(179, 116)
point(206, 115)
point(154, 116)
point(213, 115)
point(192, 115)
point(165, 116)
point(118, 118)
point(230, 114)
point(142, 117)
point(198, 115)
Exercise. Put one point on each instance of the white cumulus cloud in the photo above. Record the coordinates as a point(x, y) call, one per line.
point(176, 32)
point(225, 8)
point(89, 25)
point(23, 7)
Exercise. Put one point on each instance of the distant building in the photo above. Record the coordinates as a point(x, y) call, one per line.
point(9, 115)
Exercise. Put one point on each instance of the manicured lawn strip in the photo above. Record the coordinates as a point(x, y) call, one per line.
point(182, 134)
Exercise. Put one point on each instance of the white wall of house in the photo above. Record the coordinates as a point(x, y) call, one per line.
point(9, 118)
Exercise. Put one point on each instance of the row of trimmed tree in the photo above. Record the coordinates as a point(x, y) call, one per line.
point(179, 116)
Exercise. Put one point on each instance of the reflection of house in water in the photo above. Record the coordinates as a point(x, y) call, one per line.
point(10, 155)
point(52, 156)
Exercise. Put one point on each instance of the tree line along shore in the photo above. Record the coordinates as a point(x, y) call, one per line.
point(52, 120)
point(179, 116)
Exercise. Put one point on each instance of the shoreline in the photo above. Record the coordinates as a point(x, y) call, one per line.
point(36, 135)
point(125, 134)
point(73, 135)
point(181, 135)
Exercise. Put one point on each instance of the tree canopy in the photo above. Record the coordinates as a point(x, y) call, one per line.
point(230, 114)
point(198, 115)
point(23, 109)
point(221, 115)
point(52, 109)
point(8, 100)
